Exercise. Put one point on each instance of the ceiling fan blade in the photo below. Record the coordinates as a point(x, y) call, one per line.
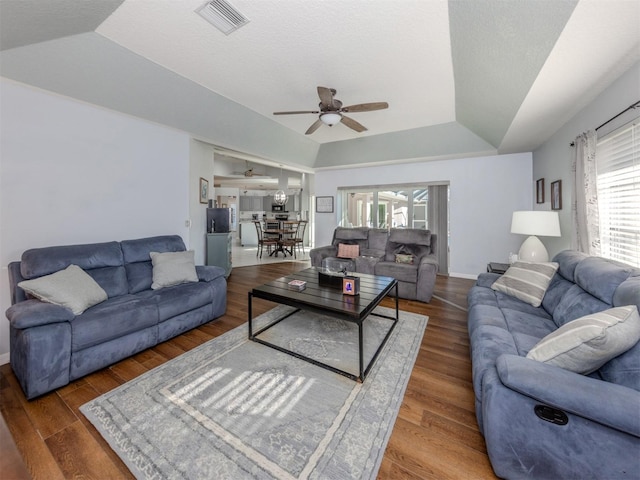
point(313, 127)
point(351, 123)
point(326, 97)
point(366, 107)
point(296, 112)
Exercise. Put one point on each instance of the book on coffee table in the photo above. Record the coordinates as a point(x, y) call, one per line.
point(297, 285)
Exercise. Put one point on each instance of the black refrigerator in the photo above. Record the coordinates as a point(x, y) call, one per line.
point(218, 220)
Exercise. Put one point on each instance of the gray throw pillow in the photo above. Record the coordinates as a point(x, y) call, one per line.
point(173, 268)
point(72, 288)
point(526, 281)
point(585, 344)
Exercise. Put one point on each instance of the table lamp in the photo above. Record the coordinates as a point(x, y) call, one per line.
point(543, 223)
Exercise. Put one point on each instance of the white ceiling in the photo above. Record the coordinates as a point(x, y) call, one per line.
point(505, 73)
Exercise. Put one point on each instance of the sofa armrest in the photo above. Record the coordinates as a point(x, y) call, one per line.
point(207, 273)
point(487, 279)
point(603, 402)
point(427, 270)
point(32, 313)
point(318, 254)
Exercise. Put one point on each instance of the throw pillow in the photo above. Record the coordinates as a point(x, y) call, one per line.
point(585, 344)
point(526, 281)
point(404, 258)
point(172, 268)
point(346, 250)
point(72, 288)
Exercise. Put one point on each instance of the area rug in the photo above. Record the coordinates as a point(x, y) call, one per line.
point(234, 409)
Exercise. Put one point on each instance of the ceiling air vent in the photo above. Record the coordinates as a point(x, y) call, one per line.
point(222, 15)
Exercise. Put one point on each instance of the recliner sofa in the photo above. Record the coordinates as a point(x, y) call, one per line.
point(51, 346)
point(541, 421)
point(406, 254)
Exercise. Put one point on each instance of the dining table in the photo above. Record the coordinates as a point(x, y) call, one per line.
point(286, 237)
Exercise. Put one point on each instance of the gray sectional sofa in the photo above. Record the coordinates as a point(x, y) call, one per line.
point(406, 254)
point(544, 421)
point(51, 345)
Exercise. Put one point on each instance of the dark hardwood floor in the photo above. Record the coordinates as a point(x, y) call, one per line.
point(435, 436)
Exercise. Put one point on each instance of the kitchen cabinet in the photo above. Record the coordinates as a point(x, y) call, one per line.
point(249, 203)
point(219, 251)
point(248, 234)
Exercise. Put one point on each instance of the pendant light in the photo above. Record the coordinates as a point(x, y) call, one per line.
point(280, 197)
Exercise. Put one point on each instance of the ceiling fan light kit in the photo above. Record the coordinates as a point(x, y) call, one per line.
point(330, 118)
point(331, 111)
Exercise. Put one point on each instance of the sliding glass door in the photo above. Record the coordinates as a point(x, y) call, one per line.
point(400, 206)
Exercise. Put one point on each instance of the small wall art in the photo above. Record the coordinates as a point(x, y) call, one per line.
point(540, 190)
point(556, 195)
point(324, 204)
point(204, 190)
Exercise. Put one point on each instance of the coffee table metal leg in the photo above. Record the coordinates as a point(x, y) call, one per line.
point(360, 342)
point(250, 304)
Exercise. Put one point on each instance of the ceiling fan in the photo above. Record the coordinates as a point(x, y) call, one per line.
point(331, 111)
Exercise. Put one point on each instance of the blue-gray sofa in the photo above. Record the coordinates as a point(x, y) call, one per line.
point(51, 346)
point(380, 252)
point(545, 422)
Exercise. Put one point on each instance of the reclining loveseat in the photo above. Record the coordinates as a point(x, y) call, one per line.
point(105, 302)
point(406, 254)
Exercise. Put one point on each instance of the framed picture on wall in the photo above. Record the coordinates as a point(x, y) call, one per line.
point(204, 190)
point(540, 190)
point(556, 195)
point(324, 204)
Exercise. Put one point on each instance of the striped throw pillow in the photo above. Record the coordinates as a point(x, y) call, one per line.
point(585, 344)
point(526, 281)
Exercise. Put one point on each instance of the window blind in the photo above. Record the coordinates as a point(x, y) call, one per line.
point(618, 184)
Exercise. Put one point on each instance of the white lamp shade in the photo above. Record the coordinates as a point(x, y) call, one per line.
point(543, 223)
point(330, 118)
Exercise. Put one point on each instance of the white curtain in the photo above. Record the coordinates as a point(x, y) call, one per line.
point(585, 235)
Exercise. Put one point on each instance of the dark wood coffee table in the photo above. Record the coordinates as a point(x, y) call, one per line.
point(328, 301)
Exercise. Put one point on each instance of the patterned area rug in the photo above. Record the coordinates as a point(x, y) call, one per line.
point(234, 409)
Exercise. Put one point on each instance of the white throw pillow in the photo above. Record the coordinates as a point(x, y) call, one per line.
point(173, 268)
point(72, 288)
point(585, 344)
point(526, 281)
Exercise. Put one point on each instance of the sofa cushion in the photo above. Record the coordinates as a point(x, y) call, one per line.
point(348, 251)
point(377, 239)
point(624, 369)
point(71, 288)
point(43, 261)
point(114, 318)
point(402, 272)
point(179, 299)
point(173, 268)
point(353, 234)
point(138, 261)
point(408, 241)
point(567, 261)
point(577, 303)
point(601, 277)
point(526, 281)
point(585, 344)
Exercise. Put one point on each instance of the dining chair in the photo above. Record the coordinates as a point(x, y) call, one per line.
point(299, 238)
point(264, 240)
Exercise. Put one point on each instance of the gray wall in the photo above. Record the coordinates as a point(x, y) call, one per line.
point(552, 161)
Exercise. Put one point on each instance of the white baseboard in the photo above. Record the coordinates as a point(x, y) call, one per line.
point(4, 358)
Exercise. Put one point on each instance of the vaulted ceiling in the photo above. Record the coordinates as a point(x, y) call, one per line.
point(462, 77)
